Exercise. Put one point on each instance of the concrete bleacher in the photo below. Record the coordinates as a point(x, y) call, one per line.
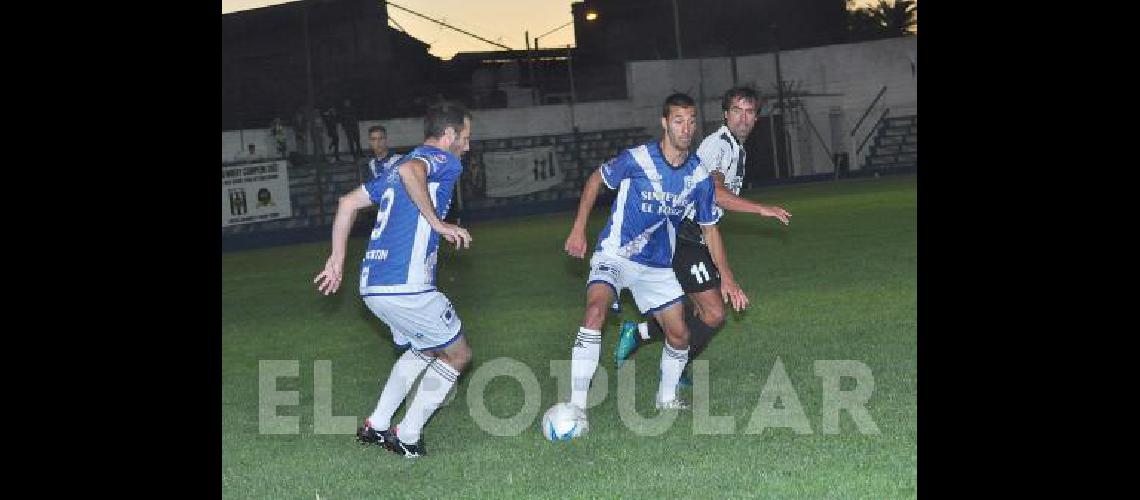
point(895, 145)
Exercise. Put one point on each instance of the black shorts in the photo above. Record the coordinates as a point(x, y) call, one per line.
point(694, 267)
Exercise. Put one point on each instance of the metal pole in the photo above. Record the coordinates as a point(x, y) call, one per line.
point(677, 30)
point(308, 115)
point(570, 68)
point(779, 97)
point(308, 68)
point(530, 65)
point(573, 96)
point(772, 133)
point(538, 85)
point(701, 96)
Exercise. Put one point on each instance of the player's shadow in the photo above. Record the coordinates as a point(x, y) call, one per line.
point(572, 265)
point(452, 261)
point(374, 324)
point(331, 303)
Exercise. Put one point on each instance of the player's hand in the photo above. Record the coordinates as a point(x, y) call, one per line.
point(328, 281)
point(576, 244)
point(732, 293)
point(777, 212)
point(455, 235)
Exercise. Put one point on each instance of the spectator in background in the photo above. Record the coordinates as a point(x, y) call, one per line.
point(251, 155)
point(316, 131)
point(330, 119)
point(278, 131)
point(351, 129)
point(382, 158)
point(300, 129)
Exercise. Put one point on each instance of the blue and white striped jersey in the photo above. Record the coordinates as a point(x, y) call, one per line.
point(652, 199)
point(401, 253)
point(379, 165)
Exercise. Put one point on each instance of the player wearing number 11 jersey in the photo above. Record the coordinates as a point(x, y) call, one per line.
point(397, 276)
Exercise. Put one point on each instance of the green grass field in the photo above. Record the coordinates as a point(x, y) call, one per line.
point(840, 283)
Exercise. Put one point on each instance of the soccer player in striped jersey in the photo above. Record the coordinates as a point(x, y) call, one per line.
point(723, 154)
point(382, 157)
point(657, 183)
point(397, 277)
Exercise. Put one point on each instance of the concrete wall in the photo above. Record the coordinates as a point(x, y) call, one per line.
point(487, 124)
point(854, 71)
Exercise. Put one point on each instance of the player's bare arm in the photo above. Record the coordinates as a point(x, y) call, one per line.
point(576, 242)
point(729, 289)
point(727, 200)
point(414, 175)
point(328, 281)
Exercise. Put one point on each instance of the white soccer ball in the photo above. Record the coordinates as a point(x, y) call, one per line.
point(563, 422)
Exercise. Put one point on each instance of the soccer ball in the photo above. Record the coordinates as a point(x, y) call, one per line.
point(563, 422)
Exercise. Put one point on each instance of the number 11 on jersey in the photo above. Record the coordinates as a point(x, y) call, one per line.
point(699, 271)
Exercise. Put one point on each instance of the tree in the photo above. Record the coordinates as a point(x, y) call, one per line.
point(883, 20)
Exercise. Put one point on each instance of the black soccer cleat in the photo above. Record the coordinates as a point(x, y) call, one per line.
point(407, 450)
point(368, 435)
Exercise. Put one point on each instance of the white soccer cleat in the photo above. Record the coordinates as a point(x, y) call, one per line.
point(676, 404)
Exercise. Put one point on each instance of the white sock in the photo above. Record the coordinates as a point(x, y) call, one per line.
point(583, 362)
point(672, 363)
point(404, 373)
point(643, 329)
point(437, 382)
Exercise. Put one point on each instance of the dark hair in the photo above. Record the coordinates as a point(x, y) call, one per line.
point(680, 100)
point(444, 114)
point(746, 93)
point(379, 128)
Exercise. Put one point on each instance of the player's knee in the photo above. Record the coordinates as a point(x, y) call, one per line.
point(713, 316)
point(677, 340)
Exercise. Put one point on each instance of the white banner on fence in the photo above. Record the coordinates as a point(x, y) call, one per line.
point(255, 192)
point(512, 173)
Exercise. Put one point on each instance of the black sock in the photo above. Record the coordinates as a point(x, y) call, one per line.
point(653, 328)
point(700, 335)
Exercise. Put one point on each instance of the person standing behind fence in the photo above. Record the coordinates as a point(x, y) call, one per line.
point(351, 129)
point(250, 156)
point(300, 130)
point(330, 121)
point(316, 130)
point(278, 131)
point(382, 158)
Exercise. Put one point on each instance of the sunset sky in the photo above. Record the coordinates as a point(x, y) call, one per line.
point(504, 21)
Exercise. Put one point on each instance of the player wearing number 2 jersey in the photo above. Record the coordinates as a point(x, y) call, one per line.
point(397, 277)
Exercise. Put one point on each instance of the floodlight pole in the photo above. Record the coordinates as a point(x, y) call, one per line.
point(309, 114)
point(677, 30)
point(780, 100)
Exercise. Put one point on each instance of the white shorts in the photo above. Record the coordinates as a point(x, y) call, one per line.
point(426, 320)
point(653, 288)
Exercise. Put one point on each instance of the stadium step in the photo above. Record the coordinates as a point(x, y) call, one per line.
point(895, 144)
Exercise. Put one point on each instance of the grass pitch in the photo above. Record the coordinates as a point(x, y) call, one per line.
point(840, 283)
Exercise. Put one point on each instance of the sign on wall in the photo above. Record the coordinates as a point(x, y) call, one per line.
point(513, 173)
point(255, 192)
